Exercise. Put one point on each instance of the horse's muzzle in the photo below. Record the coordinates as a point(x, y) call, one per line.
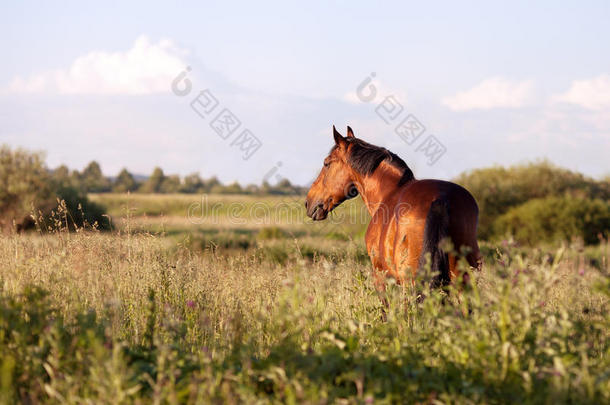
point(316, 211)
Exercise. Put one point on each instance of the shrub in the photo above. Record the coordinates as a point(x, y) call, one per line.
point(82, 212)
point(24, 185)
point(556, 218)
point(498, 189)
point(27, 187)
point(226, 240)
point(272, 232)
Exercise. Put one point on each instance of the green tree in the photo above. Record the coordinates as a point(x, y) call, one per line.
point(124, 182)
point(266, 188)
point(284, 187)
point(66, 178)
point(154, 182)
point(170, 184)
point(252, 189)
point(62, 174)
point(93, 179)
point(211, 183)
point(233, 188)
point(192, 184)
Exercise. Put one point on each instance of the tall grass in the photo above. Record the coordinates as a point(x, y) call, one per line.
point(135, 318)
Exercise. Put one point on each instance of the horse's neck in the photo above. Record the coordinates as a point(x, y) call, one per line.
point(378, 188)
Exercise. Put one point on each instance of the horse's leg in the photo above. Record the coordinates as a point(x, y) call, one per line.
point(474, 256)
point(467, 240)
point(379, 280)
point(454, 272)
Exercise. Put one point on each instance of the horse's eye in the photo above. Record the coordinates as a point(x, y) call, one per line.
point(326, 164)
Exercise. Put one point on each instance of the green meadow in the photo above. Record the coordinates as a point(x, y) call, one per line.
point(241, 299)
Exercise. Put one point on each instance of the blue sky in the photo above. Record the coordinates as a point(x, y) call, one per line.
point(497, 83)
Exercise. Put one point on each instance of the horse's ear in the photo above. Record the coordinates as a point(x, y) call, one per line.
point(339, 140)
point(350, 133)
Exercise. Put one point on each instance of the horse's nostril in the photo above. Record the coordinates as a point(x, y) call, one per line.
point(306, 204)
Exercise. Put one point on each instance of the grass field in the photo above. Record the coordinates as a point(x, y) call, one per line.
point(186, 303)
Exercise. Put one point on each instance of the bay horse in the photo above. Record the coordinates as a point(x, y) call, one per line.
point(410, 218)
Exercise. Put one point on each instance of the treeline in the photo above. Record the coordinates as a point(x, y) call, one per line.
point(92, 180)
point(30, 193)
point(536, 202)
point(539, 202)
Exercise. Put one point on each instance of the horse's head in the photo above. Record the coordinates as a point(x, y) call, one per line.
point(335, 183)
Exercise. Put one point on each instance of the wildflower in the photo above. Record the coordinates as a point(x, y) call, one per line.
point(581, 272)
point(190, 304)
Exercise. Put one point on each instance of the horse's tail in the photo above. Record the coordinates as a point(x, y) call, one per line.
point(437, 228)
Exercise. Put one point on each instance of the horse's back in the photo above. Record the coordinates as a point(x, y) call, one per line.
point(419, 195)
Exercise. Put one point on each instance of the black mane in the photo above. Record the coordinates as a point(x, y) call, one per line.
point(365, 158)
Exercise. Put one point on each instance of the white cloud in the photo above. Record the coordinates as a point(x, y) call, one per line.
point(495, 92)
point(593, 94)
point(145, 68)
